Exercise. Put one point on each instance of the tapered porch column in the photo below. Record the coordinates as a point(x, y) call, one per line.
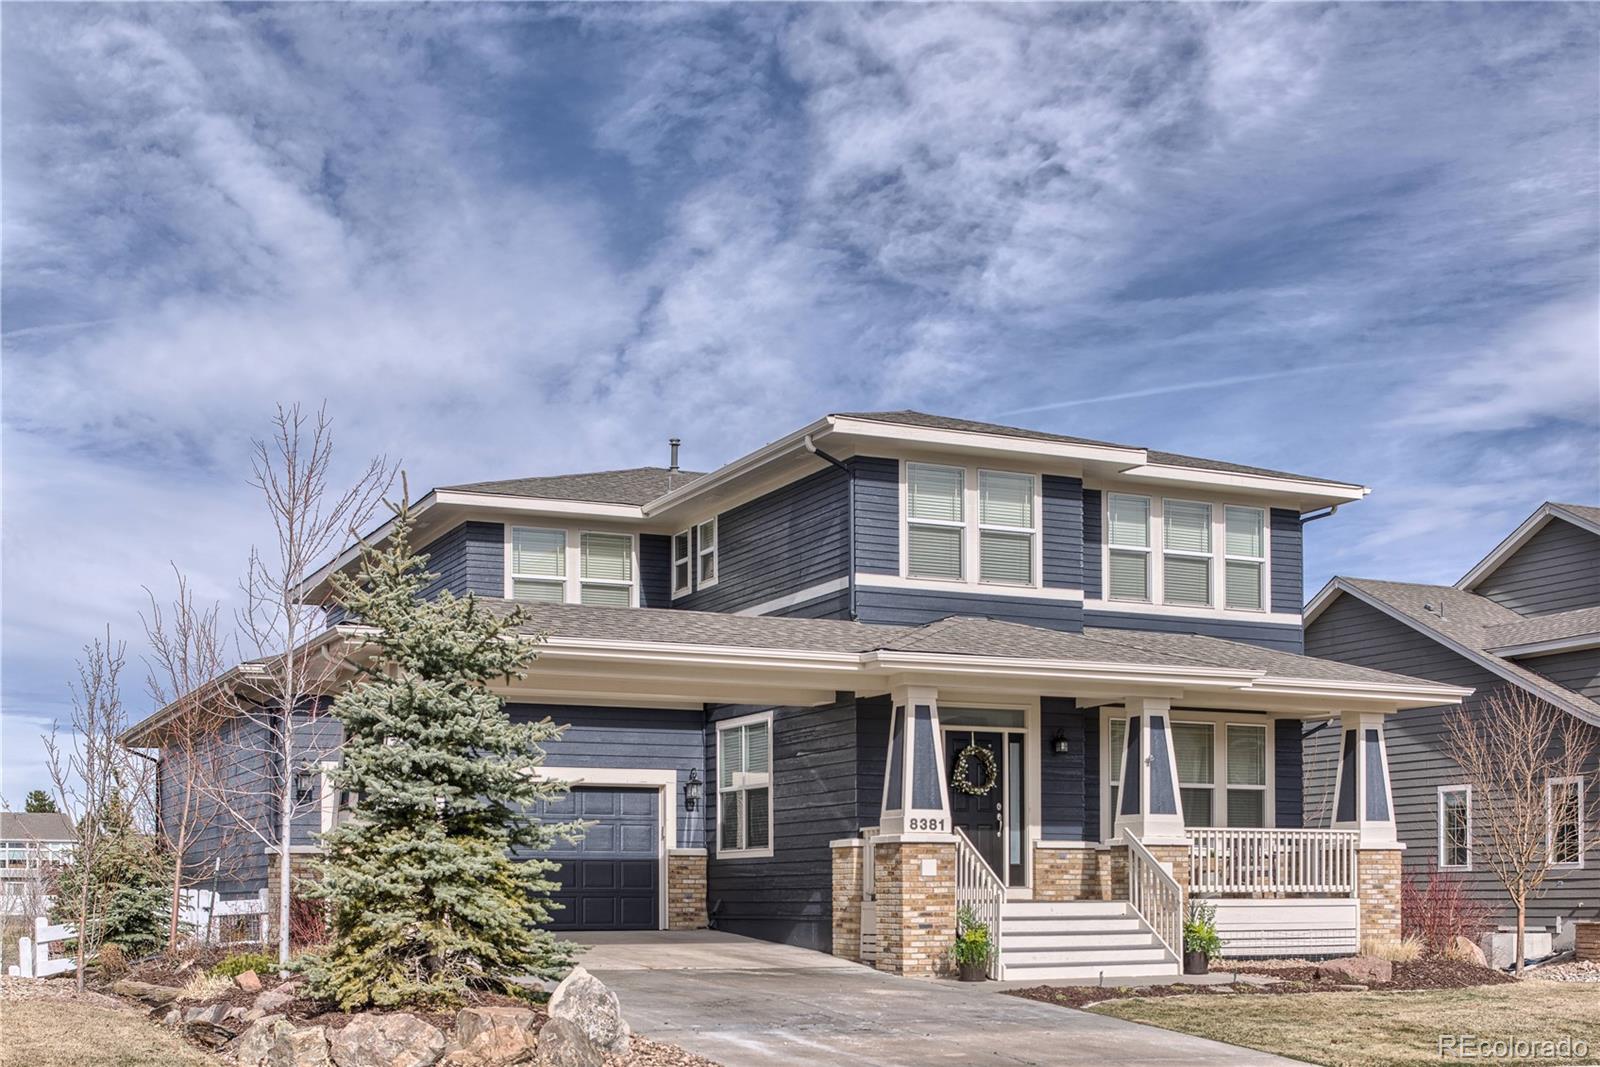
point(1364, 802)
point(1149, 804)
point(915, 796)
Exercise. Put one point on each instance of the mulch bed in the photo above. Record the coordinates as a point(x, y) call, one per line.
point(1433, 973)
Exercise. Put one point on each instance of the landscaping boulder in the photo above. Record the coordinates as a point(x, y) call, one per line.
point(583, 1000)
point(249, 981)
point(154, 995)
point(1463, 949)
point(399, 1040)
point(293, 1046)
point(562, 1043)
point(253, 1045)
point(491, 1035)
point(272, 1001)
point(1357, 969)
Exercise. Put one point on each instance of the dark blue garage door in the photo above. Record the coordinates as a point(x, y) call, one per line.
point(610, 878)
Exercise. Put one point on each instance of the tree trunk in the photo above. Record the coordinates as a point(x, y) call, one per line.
point(285, 839)
point(83, 924)
point(1522, 932)
point(177, 895)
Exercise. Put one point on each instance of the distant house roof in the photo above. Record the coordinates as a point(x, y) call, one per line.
point(1170, 459)
point(1579, 622)
point(635, 485)
point(1580, 515)
point(36, 826)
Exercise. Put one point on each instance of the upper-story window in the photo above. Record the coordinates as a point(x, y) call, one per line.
point(1246, 550)
point(1128, 533)
point(600, 570)
point(682, 576)
point(1005, 528)
point(706, 552)
point(935, 520)
point(607, 570)
point(1186, 554)
point(538, 564)
point(1188, 569)
point(941, 535)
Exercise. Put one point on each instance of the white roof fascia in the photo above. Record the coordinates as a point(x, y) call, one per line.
point(539, 505)
point(1315, 494)
point(1529, 649)
point(738, 468)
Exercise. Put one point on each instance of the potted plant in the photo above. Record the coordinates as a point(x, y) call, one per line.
point(973, 947)
point(1201, 944)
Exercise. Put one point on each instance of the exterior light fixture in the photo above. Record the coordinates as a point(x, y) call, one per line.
point(1058, 744)
point(691, 791)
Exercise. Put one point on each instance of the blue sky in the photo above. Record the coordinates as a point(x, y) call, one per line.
point(1356, 241)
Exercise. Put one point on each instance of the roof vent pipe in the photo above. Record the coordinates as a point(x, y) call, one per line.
point(673, 442)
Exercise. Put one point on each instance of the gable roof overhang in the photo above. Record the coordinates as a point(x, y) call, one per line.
point(1542, 517)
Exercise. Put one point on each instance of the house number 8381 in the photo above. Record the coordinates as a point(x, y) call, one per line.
point(925, 823)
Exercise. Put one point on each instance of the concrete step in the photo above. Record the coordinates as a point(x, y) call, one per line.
point(1148, 955)
point(1058, 924)
point(1075, 909)
point(1089, 970)
point(1078, 941)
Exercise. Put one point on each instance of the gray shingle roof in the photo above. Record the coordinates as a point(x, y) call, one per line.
point(1588, 514)
point(956, 635)
point(1579, 622)
point(1171, 459)
point(636, 485)
point(36, 826)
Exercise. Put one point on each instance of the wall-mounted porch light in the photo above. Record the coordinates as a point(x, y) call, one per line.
point(1058, 744)
point(691, 791)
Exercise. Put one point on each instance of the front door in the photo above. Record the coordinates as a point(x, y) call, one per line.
point(978, 805)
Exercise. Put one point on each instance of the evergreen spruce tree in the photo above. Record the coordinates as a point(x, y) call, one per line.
point(425, 899)
point(127, 886)
point(39, 802)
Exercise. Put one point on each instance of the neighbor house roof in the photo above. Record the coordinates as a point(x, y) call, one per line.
point(1473, 626)
point(1580, 515)
point(635, 485)
point(1579, 622)
point(36, 826)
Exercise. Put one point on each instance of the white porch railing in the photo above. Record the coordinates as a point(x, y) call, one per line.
point(1225, 861)
point(1155, 895)
point(979, 888)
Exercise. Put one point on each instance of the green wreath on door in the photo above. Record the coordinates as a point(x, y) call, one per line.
point(959, 779)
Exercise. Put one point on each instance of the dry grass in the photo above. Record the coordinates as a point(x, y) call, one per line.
point(205, 987)
point(1378, 1029)
point(1407, 950)
point(66, 1033)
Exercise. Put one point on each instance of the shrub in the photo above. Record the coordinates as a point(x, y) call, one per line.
point(1200, 930)
point(1405, 950)
point(973, 944)
point(308, 923)
point(236, 965)
point(1438, 909)
point(113, 964)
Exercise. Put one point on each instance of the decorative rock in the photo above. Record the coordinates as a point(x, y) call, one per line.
point(249, 981)
point(172, 1018)
point(492, 1035)
point(150, 994)
point(399, 1040)
point(273, 1000)
point(1461, 948)
point(211, 1015)
point(1365, 969)
point(303, 1047)
point(253, 1045)
point(583, 1000)
point(562, 1043)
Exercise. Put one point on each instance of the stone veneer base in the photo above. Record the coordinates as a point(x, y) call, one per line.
point(686, 889)
point(916, 911)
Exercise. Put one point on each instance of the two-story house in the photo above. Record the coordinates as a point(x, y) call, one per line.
point(32, 843)
point(1526, 616)
point(893, 663)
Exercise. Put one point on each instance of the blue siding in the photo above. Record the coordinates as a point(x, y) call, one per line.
point(1285, 637)
point(1092, 540)
point(793, 537)
point(789, 896)
point(469, 559)
point(655, 571)
point(1063, 532)
point(1557, 569)
point(635, 738)
point(916, 607)
point(828, 606)
point(872, 757)
point(877, 518)
point(1069, 785)
point(1287, 769)
point(1288, 581)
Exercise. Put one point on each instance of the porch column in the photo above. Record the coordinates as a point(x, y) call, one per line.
point(1363, 802)
point(915, 796)
point(1149, 805)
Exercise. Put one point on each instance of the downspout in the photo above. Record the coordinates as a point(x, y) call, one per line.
point(850, 525)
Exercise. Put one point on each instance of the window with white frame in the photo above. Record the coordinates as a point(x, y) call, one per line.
point(606, 570)
point(1005, 528)
point(935, 521)
point(744, 786)
point(1117, 735)
point(1247, 775)
point(1128, 534)
point(1194, 745)
point(1245, 557)
point(706, 552)
point(538, 564)
point(1186, 553)
point(1222, 770)
point(1455, 828)
point(1563, 799)
point(681, 574)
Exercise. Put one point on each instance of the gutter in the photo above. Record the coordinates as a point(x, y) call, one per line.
point(850, 524)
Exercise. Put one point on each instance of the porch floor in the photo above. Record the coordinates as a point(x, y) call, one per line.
point(741, 1001)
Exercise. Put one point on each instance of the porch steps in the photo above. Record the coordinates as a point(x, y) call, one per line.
point(1079, 940)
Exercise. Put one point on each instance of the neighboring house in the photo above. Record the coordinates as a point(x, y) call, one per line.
point(1527, 616)
point(774, 673)
point(32, 843)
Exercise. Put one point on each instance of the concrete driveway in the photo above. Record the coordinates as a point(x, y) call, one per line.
point(739, 1001)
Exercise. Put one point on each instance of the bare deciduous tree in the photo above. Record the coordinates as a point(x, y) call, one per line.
point(289, 675)
point(91, 771)
point(1510, 748)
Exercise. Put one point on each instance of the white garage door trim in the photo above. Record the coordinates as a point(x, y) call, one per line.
point(664, 782)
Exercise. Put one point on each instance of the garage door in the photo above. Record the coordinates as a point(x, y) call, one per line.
point(609, 878)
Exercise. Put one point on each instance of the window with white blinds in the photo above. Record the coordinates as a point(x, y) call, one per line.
point(1128, 534)
point(680, 563)
point(706, 552)
point(538, 564)
point(1005, 528)
point(1186, 553)
point(935, 521)
point(1245, 555)
point(1247, 776)
point(1194, 745)
point(607, 570)
point(744, 787)
point(1117, 739)
point(1222, 769)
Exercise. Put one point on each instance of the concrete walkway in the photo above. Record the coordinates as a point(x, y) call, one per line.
point(744, 1002)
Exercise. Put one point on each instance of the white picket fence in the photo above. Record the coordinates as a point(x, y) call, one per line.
point(198, 912)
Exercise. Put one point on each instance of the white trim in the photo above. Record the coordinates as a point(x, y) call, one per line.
point(663, 781)
point(1574, 643)
point(1439, 855)
point(700, 552)
point(972, 528)
point(1549, 821)
point(1180, 611)
point(1322, 494)
point(809, 593)
point(1519, 537)
point(328, 802)
point(1263, 562)
point(571, 578)
point(742, 787)
point(986, 589)
point(686, 561)
point(1210, 555)
point(1156, 553)
point(579, 509)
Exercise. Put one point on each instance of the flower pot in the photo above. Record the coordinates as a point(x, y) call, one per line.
point(1196, 963)
point(973, 972)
